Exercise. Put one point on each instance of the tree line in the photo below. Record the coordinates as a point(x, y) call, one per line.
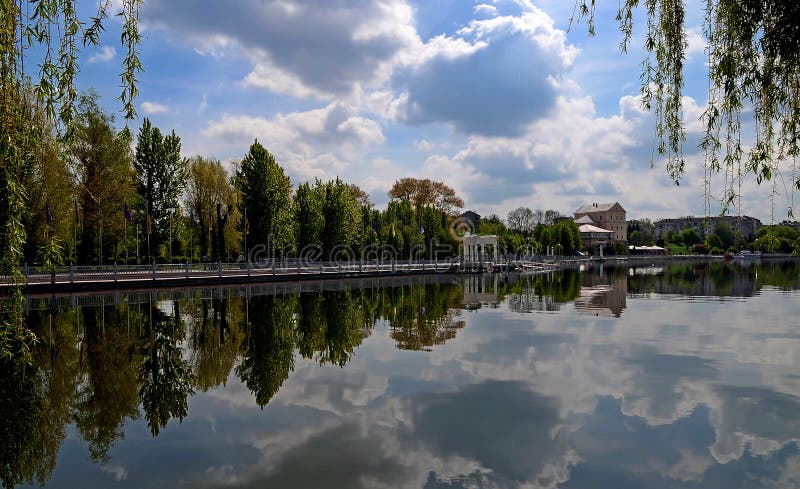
point(781, 238)
point(533, 231)
point(96, 200)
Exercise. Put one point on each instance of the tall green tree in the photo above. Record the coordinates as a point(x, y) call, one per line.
point(102, 165)
point(266, 199)
point(308, 215)
point(161, 175)
point(342, 215)
point(725, 233)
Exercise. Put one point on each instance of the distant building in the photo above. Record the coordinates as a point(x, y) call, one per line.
point(473, 219)
point(746, 225)
point(609, 217)
point(593, 236)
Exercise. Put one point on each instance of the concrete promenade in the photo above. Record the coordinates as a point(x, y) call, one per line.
point(76, 278)
point(168, 275)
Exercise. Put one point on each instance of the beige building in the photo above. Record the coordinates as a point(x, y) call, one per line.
point(593, 236)
point(610, 217)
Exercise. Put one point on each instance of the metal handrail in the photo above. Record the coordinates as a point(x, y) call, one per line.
point(274, 267)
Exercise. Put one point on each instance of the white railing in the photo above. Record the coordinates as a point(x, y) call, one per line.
point(276, 268)
point(285, 268)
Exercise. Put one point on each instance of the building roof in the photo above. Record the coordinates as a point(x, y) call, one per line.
point(470, 214)
point(585, 209)
point(584, 220)
point(588, 228)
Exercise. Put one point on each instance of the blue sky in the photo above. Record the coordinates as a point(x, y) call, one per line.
point(502, 100)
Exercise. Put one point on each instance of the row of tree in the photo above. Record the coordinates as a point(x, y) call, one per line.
point(97, 200)
point(723, 238)
point(93, 199)
point(533, 232)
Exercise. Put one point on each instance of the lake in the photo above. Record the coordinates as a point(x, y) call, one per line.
point(685, 375)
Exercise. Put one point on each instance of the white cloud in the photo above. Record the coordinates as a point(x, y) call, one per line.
point(107, 53)
point(315, 143)
point(423, 145)
point(153, 108)
point(493, 77)
point(301, 48)
point(696, 43)
point(571, 157)
point(485, 10)
point(268, 76)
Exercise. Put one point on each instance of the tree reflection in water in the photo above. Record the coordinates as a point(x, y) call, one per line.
point(37, 400)
point(165, 377)
point(107, 393)
point(267, 351)
point(422, 317)
point(96, 365)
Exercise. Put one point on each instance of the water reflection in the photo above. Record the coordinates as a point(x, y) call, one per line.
point(716, 278)
point(633, 377)
point(603, 294)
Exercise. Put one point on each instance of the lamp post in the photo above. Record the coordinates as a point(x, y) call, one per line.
point(137, 238)
point(100, 208)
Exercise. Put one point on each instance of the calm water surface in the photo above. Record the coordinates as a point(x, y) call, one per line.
point(685, 376)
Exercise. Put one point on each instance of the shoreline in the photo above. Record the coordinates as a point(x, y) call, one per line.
point(86, 279)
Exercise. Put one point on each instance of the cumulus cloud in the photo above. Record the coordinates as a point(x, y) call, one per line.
point(494, 77)
point(314, 143)
point(423, 145)
point(696, 43)
point(497, 86)
point(301, 48)
point(485, 9)
point(572, 156)
point(107, 53)
point(333, 123)
point(153, 108)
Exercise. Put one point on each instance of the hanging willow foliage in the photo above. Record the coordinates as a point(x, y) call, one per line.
point(40, 43)
point(754, 63)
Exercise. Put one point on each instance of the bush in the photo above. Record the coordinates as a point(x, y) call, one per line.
point(676, 249)
point(717, 251)
point(700, 249)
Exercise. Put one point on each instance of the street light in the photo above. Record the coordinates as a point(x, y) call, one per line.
point(100, 208)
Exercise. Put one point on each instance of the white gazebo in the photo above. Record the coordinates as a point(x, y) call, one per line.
point(475, 248)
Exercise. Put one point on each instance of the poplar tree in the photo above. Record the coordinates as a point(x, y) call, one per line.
point(308, 215)
point(342, 215)
point(161, 175)
point(266, 200)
